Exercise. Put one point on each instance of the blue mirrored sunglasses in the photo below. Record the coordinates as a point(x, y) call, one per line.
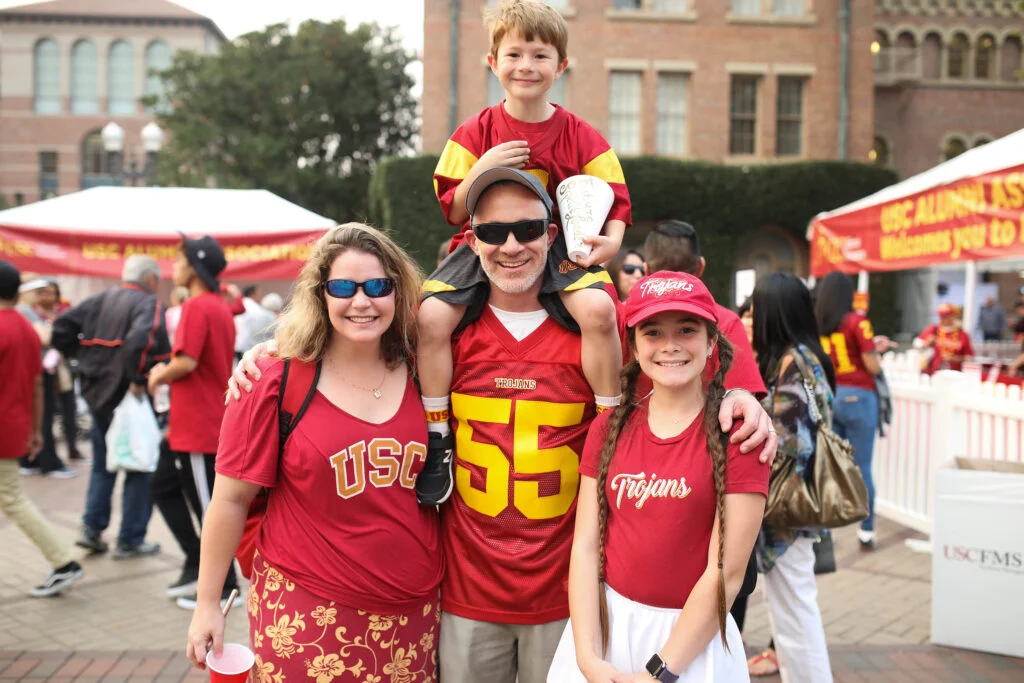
point(346, 289)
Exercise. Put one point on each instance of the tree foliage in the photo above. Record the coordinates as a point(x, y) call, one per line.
point(304, 115)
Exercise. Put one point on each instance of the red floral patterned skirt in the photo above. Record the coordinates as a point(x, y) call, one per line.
point(298, 636)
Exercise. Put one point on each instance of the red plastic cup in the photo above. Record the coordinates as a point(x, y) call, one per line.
point(232, 665)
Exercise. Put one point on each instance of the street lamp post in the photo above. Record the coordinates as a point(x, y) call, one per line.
point(113, 144)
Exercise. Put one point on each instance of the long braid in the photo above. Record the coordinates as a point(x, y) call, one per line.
point(715, 396)
point(630, 375)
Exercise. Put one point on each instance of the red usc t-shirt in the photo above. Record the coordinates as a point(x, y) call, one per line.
point(206, 332)
point(951, 347)
point(20, 364)
point(521, 412)
point(852, 338)
point(661, 498)
point(342, 518)
point(563, 146)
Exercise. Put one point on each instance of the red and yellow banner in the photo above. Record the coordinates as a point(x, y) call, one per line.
point(975, 219)
point(250, 257)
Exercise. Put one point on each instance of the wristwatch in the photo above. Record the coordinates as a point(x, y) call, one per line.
point(658, 670)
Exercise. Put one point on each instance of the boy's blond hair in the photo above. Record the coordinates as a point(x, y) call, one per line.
point(531, 19)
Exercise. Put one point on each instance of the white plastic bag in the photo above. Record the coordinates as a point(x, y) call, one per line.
point(133, 440)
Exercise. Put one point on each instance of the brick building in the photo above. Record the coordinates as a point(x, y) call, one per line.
point(947, 78)
point(67, 68)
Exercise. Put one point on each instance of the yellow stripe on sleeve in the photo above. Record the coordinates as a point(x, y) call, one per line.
point(434, 286)
point(605, 166)
point(455, 161)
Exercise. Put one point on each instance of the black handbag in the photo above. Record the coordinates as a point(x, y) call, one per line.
point(824, 555)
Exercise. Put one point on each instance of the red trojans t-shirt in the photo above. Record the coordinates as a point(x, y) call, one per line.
point(852, 338)
point(342, 518)
point(206, 332)
point(20, 364)
point(661, 498)
point(949, 344)
point(520, 413)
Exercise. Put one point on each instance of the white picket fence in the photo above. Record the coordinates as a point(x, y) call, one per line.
point(937, 418)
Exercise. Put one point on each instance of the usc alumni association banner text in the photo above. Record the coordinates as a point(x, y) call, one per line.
point(974, 219)
point(250, 257)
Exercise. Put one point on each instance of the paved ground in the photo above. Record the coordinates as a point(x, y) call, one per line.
point(116, 626)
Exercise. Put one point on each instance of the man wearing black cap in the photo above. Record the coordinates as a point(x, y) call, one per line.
point(201, 359)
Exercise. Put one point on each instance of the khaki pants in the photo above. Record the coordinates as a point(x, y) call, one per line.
point(22, 512)
point(481, 651)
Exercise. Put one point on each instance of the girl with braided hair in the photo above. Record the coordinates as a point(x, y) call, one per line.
point(668, 511)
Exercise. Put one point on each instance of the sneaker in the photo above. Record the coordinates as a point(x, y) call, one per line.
point(144, 549)
point(59, 580)
point(434, 485)
point(29, 471)
point(62, 473)
point(186, 583)
point(866, 538)
point(189, 601)
point(90, 540)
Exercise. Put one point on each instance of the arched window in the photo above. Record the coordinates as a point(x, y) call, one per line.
point(956, 64)
point(1010, 59)
point(879, 153)
point(95, 168)
point(120, 79)
point(158, 58)
point(46, 76)
point(883, 55)
point(954, 147)
point(931, 56)
point(84, 78)
point(982, 140)
point(984, 58)
point(907, 59)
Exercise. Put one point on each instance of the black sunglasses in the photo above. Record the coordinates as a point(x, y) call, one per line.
point(524, 231)
point(346, 289)
point(632, 269)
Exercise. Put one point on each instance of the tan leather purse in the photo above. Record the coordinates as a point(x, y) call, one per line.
point(833, 494)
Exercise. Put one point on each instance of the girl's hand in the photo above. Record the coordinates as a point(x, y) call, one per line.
point(246, 368)
point(600, 671)
point(205, 633)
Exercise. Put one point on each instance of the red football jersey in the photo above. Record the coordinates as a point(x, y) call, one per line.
point(951, 347)
point(852, 338)
point(521, 412)
point(561, 147)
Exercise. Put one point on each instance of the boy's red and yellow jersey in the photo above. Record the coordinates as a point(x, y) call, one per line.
point(521, 412)
point(561, 147)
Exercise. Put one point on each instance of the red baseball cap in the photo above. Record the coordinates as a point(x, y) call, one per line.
point(946, 309)
point(669, 290)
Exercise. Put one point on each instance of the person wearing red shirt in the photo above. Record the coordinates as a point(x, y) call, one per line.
point(528, 43)
point(950, 343)
point(201, 359)
point(344, 542)
point(674, 245)
point(21, 417)
point(849, 339)
point(668, 514)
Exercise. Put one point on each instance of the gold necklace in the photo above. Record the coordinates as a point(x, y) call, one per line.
point(376, 391)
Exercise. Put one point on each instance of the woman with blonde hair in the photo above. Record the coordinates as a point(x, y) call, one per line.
point(347, 567)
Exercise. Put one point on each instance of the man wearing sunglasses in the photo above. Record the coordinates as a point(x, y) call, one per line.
point(520, 408)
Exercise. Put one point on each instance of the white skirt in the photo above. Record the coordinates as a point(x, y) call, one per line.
point(637, 631)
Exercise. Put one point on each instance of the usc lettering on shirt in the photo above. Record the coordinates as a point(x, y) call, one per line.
point(640, 487)
point(660, 524)
point(382, 462)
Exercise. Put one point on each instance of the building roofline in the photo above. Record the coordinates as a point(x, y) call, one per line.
point(53, 10)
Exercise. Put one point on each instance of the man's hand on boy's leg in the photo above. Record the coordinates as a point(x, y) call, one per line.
point(512, 154)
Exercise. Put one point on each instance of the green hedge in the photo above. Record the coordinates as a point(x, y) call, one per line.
point(724, 202)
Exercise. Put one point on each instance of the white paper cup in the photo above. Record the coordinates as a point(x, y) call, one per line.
point(583, 202)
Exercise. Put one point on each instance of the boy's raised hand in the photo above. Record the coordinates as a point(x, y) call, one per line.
point(604, 246)
point(512, 154)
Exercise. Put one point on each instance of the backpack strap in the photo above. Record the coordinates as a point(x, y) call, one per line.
point(298, 385)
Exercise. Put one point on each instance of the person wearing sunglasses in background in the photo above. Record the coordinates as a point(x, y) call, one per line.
point(201, 359)
point(625, 269)
point(347, 562)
